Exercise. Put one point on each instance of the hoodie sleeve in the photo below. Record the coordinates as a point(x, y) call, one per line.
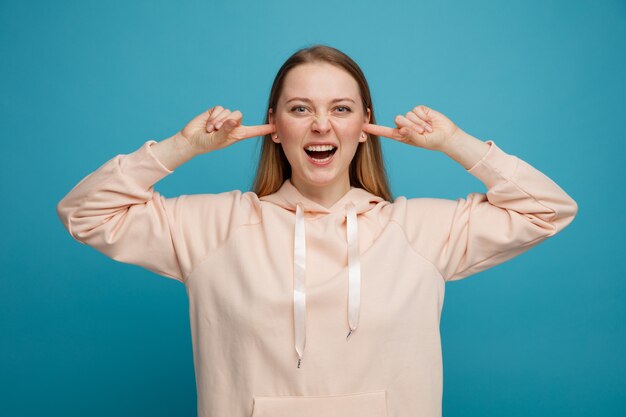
point(116, 210)
point(522, 208)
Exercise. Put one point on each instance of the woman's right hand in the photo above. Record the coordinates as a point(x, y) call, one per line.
point(218, 128)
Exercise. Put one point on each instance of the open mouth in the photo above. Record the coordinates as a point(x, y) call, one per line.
point(321, 153)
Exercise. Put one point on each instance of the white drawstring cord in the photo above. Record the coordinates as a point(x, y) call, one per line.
point(299, 290)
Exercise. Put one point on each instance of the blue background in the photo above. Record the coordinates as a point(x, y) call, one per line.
point(82, 81)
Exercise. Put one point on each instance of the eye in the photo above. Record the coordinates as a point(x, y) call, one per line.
point(347, 109)
point(297, 107)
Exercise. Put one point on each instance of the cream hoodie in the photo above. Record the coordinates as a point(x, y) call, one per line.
point(297, 310)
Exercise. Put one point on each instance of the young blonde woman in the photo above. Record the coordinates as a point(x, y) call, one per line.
point(316, 293)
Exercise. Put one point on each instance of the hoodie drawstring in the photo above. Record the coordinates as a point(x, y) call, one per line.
point(354, 269)
point(299, 288)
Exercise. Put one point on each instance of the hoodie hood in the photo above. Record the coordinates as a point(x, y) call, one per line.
point(356, 201)
point(288, 197)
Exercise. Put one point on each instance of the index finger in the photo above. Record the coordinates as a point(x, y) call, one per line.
point(387, 132)
point(260, 130)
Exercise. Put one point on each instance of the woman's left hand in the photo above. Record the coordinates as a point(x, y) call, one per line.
point(423, 127)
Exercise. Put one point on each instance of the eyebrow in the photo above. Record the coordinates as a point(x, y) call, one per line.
point(309, 101)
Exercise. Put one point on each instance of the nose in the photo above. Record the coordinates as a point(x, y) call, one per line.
point(321, 124)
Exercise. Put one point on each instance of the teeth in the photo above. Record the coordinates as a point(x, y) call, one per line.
point(320, 148)
point(323, 160)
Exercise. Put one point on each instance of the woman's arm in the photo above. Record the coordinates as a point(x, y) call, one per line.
point(116, 211)
point(521, 208)
point(465, 149)
point(174, 151)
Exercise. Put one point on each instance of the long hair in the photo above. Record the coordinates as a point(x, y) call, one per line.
point(367, 169)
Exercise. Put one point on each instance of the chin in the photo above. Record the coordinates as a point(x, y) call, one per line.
point(321, 180)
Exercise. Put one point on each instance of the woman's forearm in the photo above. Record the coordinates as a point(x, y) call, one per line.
point(174, 151)
point(466, 149)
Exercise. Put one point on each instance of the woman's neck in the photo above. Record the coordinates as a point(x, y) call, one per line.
point(326, 195)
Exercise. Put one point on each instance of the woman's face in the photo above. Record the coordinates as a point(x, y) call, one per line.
point(320, 104)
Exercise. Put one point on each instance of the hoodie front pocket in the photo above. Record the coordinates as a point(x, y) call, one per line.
point(367, 404)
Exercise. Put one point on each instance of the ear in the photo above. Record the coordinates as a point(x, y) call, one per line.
point(274, 136)
point(363, 137)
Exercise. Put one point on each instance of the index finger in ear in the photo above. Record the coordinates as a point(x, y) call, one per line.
point(260, 130)
point(377, 130)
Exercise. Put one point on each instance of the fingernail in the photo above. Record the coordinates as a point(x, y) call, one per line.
point(217, 126)
point(209, 128)
point(430, 129)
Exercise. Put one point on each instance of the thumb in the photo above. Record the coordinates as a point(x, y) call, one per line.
point(229, 125)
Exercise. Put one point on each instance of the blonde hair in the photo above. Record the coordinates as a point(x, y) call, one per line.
point(367, 169)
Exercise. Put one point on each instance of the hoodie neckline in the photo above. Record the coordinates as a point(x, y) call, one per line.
point(288, 197)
